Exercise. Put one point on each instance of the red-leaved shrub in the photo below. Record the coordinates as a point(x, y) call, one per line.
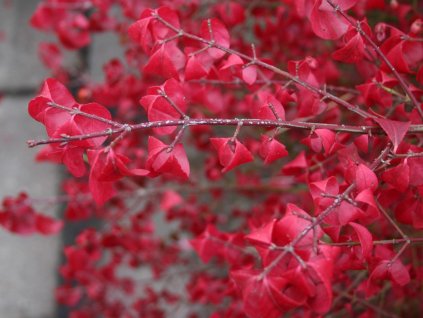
point(256, 159)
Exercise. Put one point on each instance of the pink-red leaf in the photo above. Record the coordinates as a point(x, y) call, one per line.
point(365, 178)
point(163, 159)
point(365, 238)
point(162, 102)
point(231, 153)
point(352, 51)
point(395, 130)
point(271, 149)
point(326, 22)
point(249, 74)
point(260, 294)
point(398, 177)
point(166, 61)
point(47, 225)
point(214, 30)
point(394, 271)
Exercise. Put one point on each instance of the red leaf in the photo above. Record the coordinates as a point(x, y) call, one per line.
point(47, 225)
point(374, 94)
point(291, 225)
point(399, 273)
point(416, 167)
point(53, 91)
point(249, 74)
point(403, 55)
point(101, 191)
point(328, 24)
point(395, 130)
point(231, 153)
point(232, 13)
point(60, 122)
point(71, 156)
point(106, 165)
point(138, 31)
point(262, 110)
point(50, 55)
point(166, 61)
point(362, 143)
point(17, 216)
point(395, 271)
point(169, 200)
point(164, 160)
point(68, 295)
point(46, 17)
point(367, 197)
point(261, 295)
point(320, 270)
point(365, 178)
point(195, 69)
point(262, 236)
point(297, 165)
point(271, 149)
point(321, 140)
point(318, 189)
point(352, 51)
point(365, 238)
point(148, 30)
point(398, 177)
point(73, 31)
point(106, 168)
point(232, 60)
point(213, 29)
point(417, 216)
point(159, 108)
point(305, 69)
point(87, 125)
point(209, 244)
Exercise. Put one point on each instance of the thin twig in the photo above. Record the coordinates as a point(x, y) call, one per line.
point(319, 219)
point(374, 130)
point(401, 80)
point(274, 69)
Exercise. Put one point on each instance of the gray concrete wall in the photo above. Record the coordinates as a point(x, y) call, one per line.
point(19, 66)
point(28, 265)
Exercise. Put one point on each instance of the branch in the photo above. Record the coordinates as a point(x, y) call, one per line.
point(319, 219)
point(274, 69)
point(416, 240)
point(238, 81)
point(362, 130)
point(76, 111)
point(381, 55)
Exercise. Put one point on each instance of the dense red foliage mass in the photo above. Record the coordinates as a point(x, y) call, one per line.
point(256, 159)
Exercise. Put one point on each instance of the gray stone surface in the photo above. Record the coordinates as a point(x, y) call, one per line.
point(104, 47)
point(20, 68)
point(19, 47)
point(28, 265)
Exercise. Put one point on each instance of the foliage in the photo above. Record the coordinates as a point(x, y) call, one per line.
point(279, 143)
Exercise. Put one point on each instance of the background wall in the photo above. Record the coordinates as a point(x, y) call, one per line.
point(28, 265)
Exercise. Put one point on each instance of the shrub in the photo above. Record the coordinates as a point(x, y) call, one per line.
point(263, 157)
